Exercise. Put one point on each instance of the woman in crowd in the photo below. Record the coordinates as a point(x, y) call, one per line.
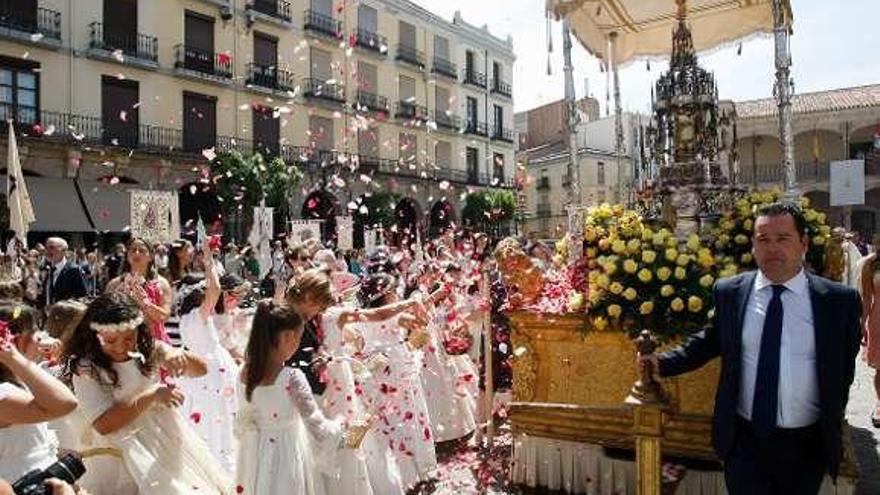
point(870, 292)
point(29, 397)
point(112, 361)
point(182, 253)
point(232, 321)
point(146, 288)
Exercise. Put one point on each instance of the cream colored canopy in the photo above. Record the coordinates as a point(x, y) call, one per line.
point(644, 27)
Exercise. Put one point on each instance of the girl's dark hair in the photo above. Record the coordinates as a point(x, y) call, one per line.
point(21, 319)
point(84, 351)
point(375, 289)
point(151, 274)
point(176, 271)
point(193, 296)
point(228, 282)
point(270, 320)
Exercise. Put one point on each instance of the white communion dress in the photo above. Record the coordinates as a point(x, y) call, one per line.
point(211, 400)
point(285, 441)
point(160, 453)
point(26, 447)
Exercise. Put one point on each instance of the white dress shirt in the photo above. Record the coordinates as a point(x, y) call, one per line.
point(798, 392)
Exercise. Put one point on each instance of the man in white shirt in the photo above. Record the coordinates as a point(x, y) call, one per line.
point(787, 340)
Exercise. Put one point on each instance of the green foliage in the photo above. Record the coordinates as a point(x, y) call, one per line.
point(380, 209)
point(488, 209)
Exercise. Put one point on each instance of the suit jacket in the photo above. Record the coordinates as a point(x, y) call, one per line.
point(836, 322)
point(69, 284)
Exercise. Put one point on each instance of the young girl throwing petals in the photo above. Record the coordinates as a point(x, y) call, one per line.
point(285, 441)
point(113, 359)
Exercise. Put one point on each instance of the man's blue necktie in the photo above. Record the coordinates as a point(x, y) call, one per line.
point(766, 399)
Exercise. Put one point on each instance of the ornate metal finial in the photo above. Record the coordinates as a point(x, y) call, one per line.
point(681, 15)
point(646, 390)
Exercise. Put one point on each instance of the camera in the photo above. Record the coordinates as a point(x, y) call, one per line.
point(68, 468)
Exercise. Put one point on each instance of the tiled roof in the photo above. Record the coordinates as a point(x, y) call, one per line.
point(820, 101)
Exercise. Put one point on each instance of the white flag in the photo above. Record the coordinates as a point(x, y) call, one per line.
point(21, 211)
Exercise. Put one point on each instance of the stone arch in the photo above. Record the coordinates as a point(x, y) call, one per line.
point(761, 149)
point(862, 139)
point(322, 205)
point(197, 199)
point(442, 216)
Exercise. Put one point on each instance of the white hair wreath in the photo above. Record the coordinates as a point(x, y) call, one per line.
point(122, 326)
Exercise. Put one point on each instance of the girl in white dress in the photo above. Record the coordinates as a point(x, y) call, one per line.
point(211, 400)
point(232, 321)
point(113, 359)
point(285, 439)
point(29, 396)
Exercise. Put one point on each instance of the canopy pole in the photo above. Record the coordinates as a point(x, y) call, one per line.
point(575, 222)
point(783, 90)
point(618, 116)
point(573, 170)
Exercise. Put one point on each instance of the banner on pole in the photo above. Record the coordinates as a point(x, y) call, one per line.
point(261, 236)
point(847, 182)
point(303, 230)
point(372, 239)
point(345, 233)
point(155, 215)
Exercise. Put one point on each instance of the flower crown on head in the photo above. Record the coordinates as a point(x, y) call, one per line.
point(122, 326)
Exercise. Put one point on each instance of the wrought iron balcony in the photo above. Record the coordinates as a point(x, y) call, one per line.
point(317, 22)
point(445, 68)
point(502, 88)
point(502, 134)
point(474, 78)
point(270, 77)
point(15, 17)
point(279, 9)
point(204, 62)
point(475, 128)
point(325, 90)
point(372, 101)
point(411, 55)
point(136, 45)
point(365, 38)
point(445, 120)
point(408, 110)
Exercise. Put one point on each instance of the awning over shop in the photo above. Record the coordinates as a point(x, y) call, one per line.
point(644, 27)
point(58, 208)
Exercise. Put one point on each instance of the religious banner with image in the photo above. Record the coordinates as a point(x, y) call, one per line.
point(345, 233)
point(303, 230)
point(155, 215)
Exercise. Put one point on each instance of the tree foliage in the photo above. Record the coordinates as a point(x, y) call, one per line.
point(487, 210)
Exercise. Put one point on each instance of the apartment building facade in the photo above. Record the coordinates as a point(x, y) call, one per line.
point(361, 96)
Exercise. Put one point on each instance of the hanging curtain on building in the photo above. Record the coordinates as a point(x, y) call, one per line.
point(644, 27)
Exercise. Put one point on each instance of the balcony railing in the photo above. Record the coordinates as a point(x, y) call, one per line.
point(409, 110)
point(205, 62)
point(46, 22)
point(474, 78)
point(411, 55)
point(270, 77)
point(476, 128)
point(276, 8)
point(502, 134)
point(323, 24)
point(365, 38)
point(447, 121)
point(445, 67)
point(135, 45)
point(501, 88)
point(326, 90)
point(775, 173)
point(372, 101)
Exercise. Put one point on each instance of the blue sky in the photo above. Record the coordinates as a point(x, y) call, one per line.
point(835, 44)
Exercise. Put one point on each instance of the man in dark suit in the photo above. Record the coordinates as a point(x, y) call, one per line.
point(788, 341)
point(64, 279)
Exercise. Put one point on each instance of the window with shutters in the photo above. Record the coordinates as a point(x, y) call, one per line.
point(600, 174)
point(443, 154)
point(409, 149)
point(407, 34)
point(199, 42)
point(473, 165)
point(321, 133)
point(266, 130)
point(119, 111)
point(199, 121)
point(321, 66)
point(441, 99)
point(498, 167)
point(120, 27)
point(368, 19)
point(19, 91)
